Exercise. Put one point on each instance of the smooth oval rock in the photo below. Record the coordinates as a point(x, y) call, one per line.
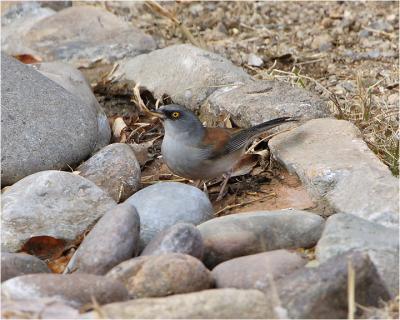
point(197, 73)
point(256, 271)
point(247, 233)
point(84, 35)
point(346, 232)
point(43, 126)
point(73, 289)
point(164, 204)
point(72, 80)
point(114, 238)
point(207, 304)
point(50, 203)
point(163, 275)
point(17, 264)
point(114, 169)
point(180, 238)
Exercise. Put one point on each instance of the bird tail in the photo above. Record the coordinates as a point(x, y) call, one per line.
point(240, 139)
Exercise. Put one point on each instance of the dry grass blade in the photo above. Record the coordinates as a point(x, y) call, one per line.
point(154, 6)
point(351, 291)
point(231, 206)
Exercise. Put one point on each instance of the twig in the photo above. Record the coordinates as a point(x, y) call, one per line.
point(153, 5)
point(231, 206)
point(350, 291)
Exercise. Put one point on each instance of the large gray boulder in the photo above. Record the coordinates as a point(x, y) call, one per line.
point(257, 101)
point(51, 203)
point(43, 126)
point(248, 233)
point(346, 232)
point(17, 264)
point(72, 80)
point(185, 73)
point(164, 204)
point(339, 170)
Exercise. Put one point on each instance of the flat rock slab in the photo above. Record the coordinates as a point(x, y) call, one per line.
point(72, 80)
point(114, 169)
point(163, 275)
point(254, 102)
point(333, 161)
point(73, 289)
point(114, 238)
point(83, 35)
point(185, 73)
point(164, 204)
point(346, 232)
point(18, 264)
point(321, 292)
point(207, 304)
point(256, 271)
point(43, 125)
point(47, 308)
point(180, 238)
point(248, 233)
point(50, 203)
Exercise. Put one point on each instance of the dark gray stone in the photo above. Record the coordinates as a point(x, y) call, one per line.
point(164, 204)
point(321, 292)
point(73, 289)
point(18, 264)
point(50, 203)
point(180, 238)
point(114, 169)
point(256, 271)
point(207, 304)
point(43, 126)
point(197, 73)
point(114, 238)
point(346, 232)
point(247, 233)
point(163, 275)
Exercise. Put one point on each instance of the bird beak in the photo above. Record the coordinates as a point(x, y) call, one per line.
point(158, 114)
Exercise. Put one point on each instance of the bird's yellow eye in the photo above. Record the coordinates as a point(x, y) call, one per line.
point(175, 114)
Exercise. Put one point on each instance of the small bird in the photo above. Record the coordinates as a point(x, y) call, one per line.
point(195, 152)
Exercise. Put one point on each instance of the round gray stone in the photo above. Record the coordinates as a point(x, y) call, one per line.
point(50, 203)
point(164, 204)
point(114, 169)
point(180, 238)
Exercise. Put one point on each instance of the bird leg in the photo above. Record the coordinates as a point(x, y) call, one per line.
point(225, 182)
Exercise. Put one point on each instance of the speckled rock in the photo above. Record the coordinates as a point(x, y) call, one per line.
point(321, 292)
point(18, 264)
point(115, 169)
point(333, 161)
point(164, 204)
point(114, 238)
point(163, 275)
point(207, 304)
point(256, 271)
point(346, 232)
point(197, 73)
point(49, 126)
point(247, 233)
point(72, 80)
point(255, 102)
point(180, 238)
point(73, 289)
point(83, 35)
point(50, 203)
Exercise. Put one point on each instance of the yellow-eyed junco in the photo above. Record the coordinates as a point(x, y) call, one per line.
point(195, 152)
